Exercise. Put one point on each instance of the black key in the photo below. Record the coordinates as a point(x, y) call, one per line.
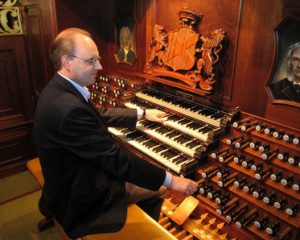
point(194, 125)
point(174, 118)
point(193, 144)
point(141, 139)
point(126, 130)
point(134, 135)
point(182, 139)
point(172, 134)
point(154, 126)
point(179, 160)
point(217, 115)
point(169, 154)
point(159, 149)
point(184, 121)
point(163, 130)
point(205, 130)
point(150, 144)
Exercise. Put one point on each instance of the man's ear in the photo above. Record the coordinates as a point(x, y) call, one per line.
point(65, 61)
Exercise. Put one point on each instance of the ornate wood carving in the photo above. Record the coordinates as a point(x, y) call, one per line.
point(10, 20)
point(185, 55)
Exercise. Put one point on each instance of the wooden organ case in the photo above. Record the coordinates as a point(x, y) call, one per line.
point(247, 167)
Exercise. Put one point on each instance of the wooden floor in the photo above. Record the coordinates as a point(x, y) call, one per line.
point(17, 185)
point(19, 212)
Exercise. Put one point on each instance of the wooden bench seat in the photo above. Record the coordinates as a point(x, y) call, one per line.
point(138, 224)
point(35, 168)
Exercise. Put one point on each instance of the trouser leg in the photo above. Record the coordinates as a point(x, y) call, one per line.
point(48, 221)
point(149, 201)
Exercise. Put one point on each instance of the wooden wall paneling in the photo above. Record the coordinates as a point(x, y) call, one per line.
point(16, 108)
point(94, 16)
point(255, 54)
point(250, 51)
point(248, 56)
point(49, 29)
point(291, 7)
point(99, 18)
point(24, 71)
point(125, 9)
point(16, 147)
point(15, 82)
point(287, 114)
point(38, 55)
point(141, 22)
point(150, 16)
point(165, 13)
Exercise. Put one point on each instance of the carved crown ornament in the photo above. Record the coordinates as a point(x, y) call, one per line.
point(183, 55)
point(10, 20)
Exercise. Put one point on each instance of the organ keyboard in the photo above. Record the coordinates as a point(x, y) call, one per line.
point(196, 129)
point(197, 111)
point(170, 158)
point(188, 134)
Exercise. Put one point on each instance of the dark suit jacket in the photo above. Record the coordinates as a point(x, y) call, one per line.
point(122, 56)
point(285, 89)
point(84, 168)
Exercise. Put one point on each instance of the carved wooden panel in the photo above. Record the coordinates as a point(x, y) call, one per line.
point(16, 146)
point(185, 55)
point(14, 79)
point(16, 109)
point(38, 55)
point(166, 14)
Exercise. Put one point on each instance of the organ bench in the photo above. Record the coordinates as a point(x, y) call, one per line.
point(138, 224)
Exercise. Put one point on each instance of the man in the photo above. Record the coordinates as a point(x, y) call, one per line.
point(89, 179)
point(289, 88)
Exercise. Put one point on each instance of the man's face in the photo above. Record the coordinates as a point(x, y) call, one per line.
point(295, 63)
point(126, 42)
point(83, 71)
point(125, 38)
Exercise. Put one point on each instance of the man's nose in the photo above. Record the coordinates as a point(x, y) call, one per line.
point(98, 65)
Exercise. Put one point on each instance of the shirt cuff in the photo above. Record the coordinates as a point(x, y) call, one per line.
point(168, 179)
point(140, 113)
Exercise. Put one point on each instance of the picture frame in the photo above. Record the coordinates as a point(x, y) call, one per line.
point(124, 33)
point(281, 85)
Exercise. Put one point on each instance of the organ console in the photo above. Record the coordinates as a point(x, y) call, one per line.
point(247, 167)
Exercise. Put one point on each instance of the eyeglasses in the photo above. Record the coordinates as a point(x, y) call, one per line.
point(90, 61)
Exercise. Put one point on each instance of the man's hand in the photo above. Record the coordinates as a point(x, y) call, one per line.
point(183, 185)
point(155, 115)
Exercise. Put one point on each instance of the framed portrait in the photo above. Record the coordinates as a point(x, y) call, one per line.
point(125, 41)
point(284, 83)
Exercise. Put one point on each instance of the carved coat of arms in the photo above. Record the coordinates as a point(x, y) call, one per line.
point(180, 54)
point(184, 54)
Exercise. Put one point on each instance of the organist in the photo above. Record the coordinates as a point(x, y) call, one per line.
point(89, 178)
